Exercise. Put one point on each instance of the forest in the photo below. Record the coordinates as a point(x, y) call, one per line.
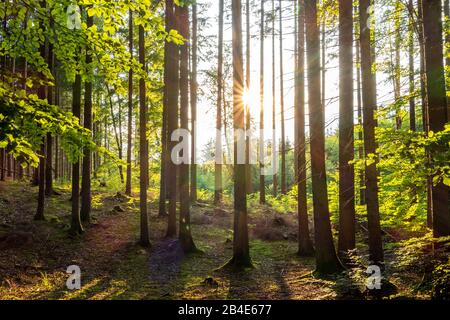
point(225, 150)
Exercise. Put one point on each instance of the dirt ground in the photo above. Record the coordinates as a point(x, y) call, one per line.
point(34, 256)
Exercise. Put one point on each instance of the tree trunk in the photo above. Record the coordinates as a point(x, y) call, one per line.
point(274, 115)
point(412, 89)
point(143, 147)
point(437, 105)
point(241, 252)
point(326, 258)
point(218, 149)
point(75, 226)
point(362, 179)
point(49, 139)
point(370, 146)
point(283, 134)
point(305, 246)
point(85, 212)
point(41, 193)
point(262, 178)
point(164, 136)
point(172, 120)
point(185, 218)
point(247, 106)
point(130, 107)
point(194, 85)
point(424, 97)
point(346, 130)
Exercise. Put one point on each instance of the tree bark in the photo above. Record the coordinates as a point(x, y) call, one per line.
point(326, 258)
point(346, 130)
point(218, 149)
point(305, 246)
point(194, 85)
point(437, 105)
point(274, 115)
point(262, 178)
point(185, 236)
point(247, 106)
point(172, 120)
point(130, 107)
point(370, 146)
point(282, 124)
point(241, 252)
point(85, 212)
point(143, 147)
point(75, 226)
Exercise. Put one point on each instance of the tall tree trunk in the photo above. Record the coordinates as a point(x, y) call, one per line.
point(283, 134)
point(247, 106)
point(346, 132)
point(220, 89)
point(424, 98)
point(163, 193)
point(172, 120)
point(241, 252)
point(185, 218)
point(326, 258)
point(130, 107)
point(437, 105)
point(41, 193)
point(49, 139)
point(397, 66)
point(143, 147)
point(274, 115)
point(412, 89)
point(362, 179)
point(370, 146)
point(85, 212)
point(262, 178)
point(323, 56)
point(75, 225)
point(194, 85)
point(447, 43)
point(305, 246)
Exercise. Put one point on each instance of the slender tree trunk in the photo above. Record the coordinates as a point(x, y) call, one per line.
point(305, 246)
point(262, 178)
point(49, 139)
point(362, 179)
point(323, 56)
point(326, 258)
point(447, 43)
point(194, 85)
point(163, 195)
point(41, 193)
point(130, 107)
point(75, 226)
point(218, 149)
point(185, 218)
point(85, 212)
point(143, 147)
point(424, 98)
point(346, 132)
point(247, 106)
point(172, 120)
point(241, 252)
point(437, 105)
point(370, 146)
point(412, 89)
point(274, 115)
point(283, 134)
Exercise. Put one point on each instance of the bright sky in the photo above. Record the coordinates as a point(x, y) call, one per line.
point(206, 109)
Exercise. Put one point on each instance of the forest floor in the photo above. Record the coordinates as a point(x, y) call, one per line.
point(34, 255)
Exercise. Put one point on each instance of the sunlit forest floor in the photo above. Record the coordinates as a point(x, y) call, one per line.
point(34, 255)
